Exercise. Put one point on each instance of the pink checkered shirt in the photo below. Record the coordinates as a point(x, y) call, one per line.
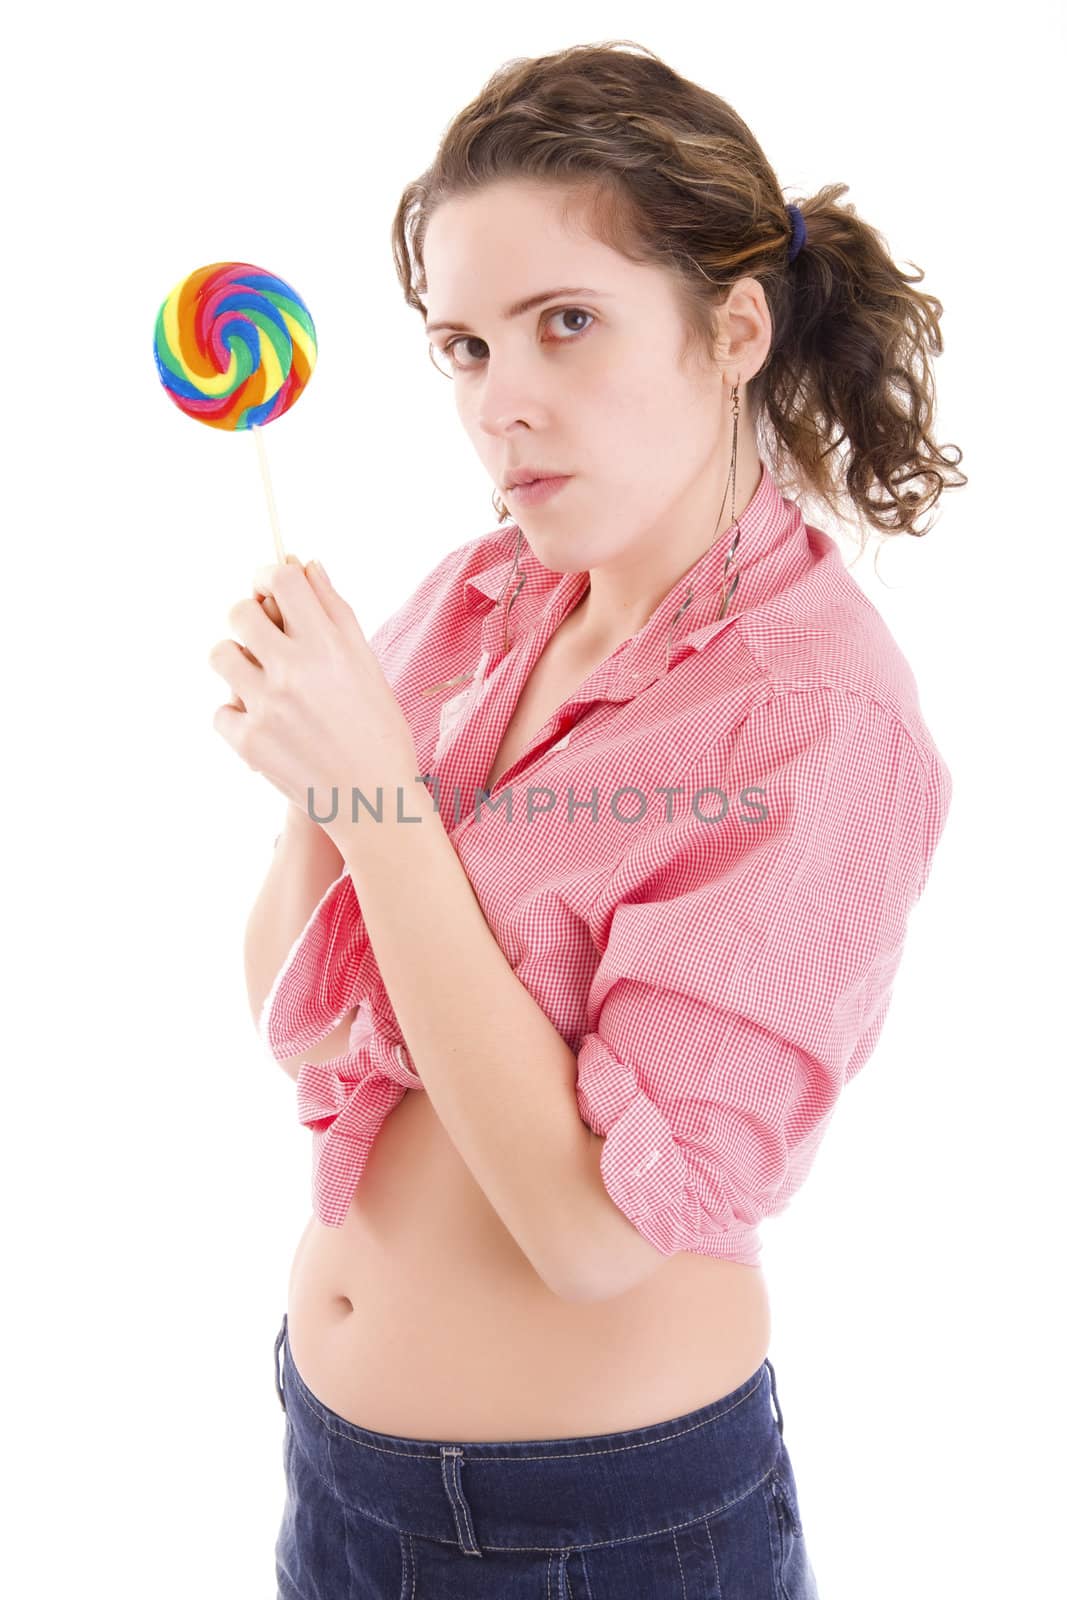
point(717, 937)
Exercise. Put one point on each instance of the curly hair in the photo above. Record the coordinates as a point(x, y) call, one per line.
point(667, 173)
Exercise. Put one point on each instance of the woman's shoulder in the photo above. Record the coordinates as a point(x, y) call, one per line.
point(835, 645)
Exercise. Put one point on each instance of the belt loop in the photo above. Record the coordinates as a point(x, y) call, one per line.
point(451, 1461)
point(774, 1396)
point(277, 1364)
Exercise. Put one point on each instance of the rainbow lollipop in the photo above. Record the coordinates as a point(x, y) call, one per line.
point(235, 347)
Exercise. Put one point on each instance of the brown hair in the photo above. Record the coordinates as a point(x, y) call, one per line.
point(667, 173)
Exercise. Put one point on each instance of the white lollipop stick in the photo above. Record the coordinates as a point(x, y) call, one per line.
point(265, 470)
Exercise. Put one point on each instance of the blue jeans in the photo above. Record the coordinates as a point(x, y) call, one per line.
point(700, 1507)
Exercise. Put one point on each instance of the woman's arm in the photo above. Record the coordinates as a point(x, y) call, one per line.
point(499, 1075)
point(304, 864)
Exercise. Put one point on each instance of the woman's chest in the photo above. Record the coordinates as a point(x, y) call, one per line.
point(554, 678)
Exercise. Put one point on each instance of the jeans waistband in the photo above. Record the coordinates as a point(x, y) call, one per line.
point(542, 1493)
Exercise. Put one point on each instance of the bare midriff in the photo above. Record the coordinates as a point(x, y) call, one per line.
point(421, 1316)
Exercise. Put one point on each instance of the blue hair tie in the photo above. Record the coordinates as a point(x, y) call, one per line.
point(800, 232)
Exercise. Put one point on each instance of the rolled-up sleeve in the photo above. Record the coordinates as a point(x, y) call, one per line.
point(749, 964)
point(319, 978)
point(345, 1100)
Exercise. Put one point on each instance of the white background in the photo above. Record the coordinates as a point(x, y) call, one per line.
point(155, 1177)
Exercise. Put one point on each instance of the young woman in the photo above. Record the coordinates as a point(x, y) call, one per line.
point(560, 1055)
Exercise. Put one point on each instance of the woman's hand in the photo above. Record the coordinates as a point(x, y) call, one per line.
point(271, 608)
point(312, 709)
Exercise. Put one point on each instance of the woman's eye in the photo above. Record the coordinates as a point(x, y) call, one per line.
point(472, 339)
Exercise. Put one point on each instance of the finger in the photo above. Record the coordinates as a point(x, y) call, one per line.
point(336, 608)
point(232, 663)
point(296, 600)
point(270, 605)
point(290, 561)
point(230, 722)
point(263, 637)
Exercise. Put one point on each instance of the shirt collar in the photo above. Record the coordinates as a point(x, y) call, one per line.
point(771, 547)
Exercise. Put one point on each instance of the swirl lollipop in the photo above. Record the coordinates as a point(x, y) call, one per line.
point(235, 347)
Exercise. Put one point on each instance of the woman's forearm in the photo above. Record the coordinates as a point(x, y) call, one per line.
point(305, 863)
point(501, 1078)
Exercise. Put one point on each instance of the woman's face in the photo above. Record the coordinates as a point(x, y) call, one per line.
point(589, 383)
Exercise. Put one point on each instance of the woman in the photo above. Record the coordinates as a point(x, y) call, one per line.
point(525, 1350)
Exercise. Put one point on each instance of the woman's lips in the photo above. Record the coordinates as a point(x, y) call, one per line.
point(532, 494)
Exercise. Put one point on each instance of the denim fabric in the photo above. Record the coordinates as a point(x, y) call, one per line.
point(700, 1507)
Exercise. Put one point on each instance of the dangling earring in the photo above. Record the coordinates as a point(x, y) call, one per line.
point(731, 554)
point(727, 596)
point(502, 512)
point(519, 542)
